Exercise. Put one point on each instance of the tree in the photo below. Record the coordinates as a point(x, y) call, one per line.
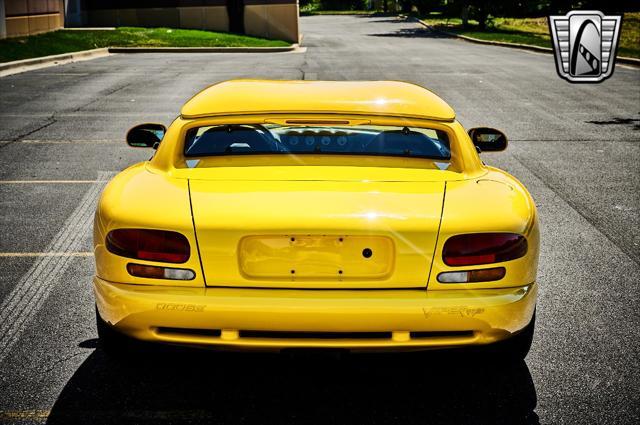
point(426, 6)
point(482, 12)
point(473, 9)
point(406, 6)
point(342, 4)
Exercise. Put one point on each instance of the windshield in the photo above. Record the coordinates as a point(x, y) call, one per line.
point(254, 139)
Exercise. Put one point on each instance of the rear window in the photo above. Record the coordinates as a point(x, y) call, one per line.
point(259, 139)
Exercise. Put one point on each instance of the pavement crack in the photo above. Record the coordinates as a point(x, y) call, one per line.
point(99, 96)
point(50, 121)
point(64, 359)
point(302, 70)
point(635, 122)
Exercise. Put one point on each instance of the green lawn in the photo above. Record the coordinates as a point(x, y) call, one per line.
point(309, 12)
point(534, 31)
point(64, 41)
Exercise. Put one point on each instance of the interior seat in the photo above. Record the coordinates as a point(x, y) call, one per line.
point(232, 138)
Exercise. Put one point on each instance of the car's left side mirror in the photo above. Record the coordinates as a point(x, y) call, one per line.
point(488, 139)
point(146, 135)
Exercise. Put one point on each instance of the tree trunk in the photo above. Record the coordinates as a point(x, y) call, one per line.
point(483, 15)
point(235, 10)
point(465, 15)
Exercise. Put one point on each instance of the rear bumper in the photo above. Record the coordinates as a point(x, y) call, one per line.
point(352, 319)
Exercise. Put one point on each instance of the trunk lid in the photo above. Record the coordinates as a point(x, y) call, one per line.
point(316, 233)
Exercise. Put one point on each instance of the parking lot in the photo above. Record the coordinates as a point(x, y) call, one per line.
point(576, 148)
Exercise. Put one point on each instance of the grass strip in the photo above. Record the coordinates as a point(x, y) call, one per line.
point(65, 41)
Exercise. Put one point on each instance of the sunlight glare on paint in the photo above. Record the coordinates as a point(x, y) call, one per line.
point(371, 215)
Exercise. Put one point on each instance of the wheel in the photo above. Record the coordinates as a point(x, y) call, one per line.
point(517, 347)
point(111, 341)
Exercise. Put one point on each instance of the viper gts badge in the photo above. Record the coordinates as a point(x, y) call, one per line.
point(585, 44)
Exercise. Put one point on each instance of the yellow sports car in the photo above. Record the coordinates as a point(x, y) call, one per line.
point(299, 214)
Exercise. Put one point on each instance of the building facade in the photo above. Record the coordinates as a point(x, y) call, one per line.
point(27, 17)
point(276, 19)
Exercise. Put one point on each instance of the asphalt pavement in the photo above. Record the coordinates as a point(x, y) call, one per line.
point(576, 147)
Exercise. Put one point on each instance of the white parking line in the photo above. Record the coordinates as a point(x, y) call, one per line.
point(33, 289)
point(47, 254)
point(51, 181)
point(67, 142)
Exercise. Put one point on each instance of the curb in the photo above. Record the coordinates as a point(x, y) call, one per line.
point(203, 49)
point(628, 61)
point(83, 54)
point(90, 28)
point(16, 67)
point(619, 59)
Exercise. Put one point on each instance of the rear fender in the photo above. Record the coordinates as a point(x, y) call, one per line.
point(137, 198)
point(497, 202)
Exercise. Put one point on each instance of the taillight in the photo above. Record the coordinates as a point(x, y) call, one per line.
point(152, 245)
point(483, 248)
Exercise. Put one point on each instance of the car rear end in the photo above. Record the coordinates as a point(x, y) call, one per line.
point(318, 251)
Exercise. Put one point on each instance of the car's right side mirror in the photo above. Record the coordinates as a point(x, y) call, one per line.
point(488, 139)
point(146, 135)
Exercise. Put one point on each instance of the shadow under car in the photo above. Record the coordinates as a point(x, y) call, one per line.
point(201, 386)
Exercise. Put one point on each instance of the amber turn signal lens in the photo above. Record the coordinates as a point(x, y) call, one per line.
point(154, 272)
point(468, 276)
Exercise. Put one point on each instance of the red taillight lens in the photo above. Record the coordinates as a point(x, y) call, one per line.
point(152, 245)
point(483, 248)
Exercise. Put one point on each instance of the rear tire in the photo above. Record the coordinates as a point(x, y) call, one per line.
point(516, 347)
point(112, 342)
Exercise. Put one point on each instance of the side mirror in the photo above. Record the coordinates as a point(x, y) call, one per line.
point(488, 139)
point(146, 135)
